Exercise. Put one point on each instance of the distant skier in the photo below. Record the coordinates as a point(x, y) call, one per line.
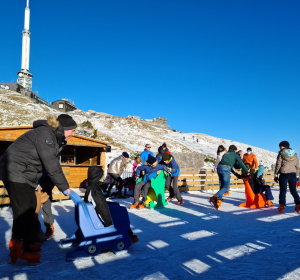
point(287, 166)
point(197, 140)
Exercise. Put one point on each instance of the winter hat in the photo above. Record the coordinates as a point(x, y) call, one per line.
point(249, 149)
point(285, 144)
point(164, 145)
point(151, 159)
point(66, 122)
point(165, 157)
point(125, 155)
point(95, 173)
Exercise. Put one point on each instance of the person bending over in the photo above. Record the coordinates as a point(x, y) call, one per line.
point(150, 169)
point(21, 167)
point(115, 172)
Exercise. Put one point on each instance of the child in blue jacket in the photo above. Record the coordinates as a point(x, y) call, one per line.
point(150, 168)
point(169, 161)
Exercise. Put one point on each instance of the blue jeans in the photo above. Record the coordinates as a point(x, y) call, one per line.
point(263, 189)
point(224, 178)
point(284, 179)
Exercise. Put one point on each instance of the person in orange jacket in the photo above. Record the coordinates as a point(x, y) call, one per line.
point(251, 159)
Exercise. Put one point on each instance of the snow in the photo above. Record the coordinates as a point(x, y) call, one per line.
point(177, 242)
point(208, 145)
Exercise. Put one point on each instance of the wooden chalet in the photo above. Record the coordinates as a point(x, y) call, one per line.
point(79, 154)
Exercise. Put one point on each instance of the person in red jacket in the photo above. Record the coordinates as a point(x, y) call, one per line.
point(165, 149)
point(251, 159)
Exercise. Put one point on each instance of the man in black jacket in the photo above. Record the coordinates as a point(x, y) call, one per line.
point(21, 167)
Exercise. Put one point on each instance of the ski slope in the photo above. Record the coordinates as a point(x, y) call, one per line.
point(208, 145)
point(193, 241)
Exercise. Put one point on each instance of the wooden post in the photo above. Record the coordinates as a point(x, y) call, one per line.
point(102, 157)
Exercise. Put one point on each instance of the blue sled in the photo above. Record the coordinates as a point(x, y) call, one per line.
point(92, 236)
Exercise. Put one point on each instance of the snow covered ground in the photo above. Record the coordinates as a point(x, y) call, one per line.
point(193, 241)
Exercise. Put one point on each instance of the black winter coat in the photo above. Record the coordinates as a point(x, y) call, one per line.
point(34, 153)
point(95, 173)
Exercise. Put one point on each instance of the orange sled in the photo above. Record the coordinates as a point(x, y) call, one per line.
point(253, 200)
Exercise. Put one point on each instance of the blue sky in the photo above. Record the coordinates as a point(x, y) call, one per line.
point(229, 69)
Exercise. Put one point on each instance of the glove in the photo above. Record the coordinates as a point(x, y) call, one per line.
point(167, 169)
point(67, 192)
point(276, 179)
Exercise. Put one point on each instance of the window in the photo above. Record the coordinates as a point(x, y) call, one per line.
point(60, 106)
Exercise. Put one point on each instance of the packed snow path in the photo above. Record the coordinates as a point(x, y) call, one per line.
point(192, 241)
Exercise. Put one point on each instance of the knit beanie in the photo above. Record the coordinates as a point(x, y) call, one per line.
point(125, 155)
point(285, 144)
point(66, 122)
point(165, 157)
point(151, 159)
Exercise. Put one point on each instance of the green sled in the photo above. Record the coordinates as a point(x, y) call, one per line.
point(156, 192)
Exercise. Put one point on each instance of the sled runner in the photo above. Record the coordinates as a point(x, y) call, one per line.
point(92, 236)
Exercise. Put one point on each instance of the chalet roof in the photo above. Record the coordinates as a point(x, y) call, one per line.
point(13, 132)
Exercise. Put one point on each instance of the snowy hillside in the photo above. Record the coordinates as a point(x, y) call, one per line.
point(123, 134)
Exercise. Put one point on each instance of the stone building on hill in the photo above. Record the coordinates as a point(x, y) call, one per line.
point(63, 105)
point(159, 122)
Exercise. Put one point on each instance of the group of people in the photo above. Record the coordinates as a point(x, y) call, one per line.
point(145, 168)
point(286, 174)
point(30, 168)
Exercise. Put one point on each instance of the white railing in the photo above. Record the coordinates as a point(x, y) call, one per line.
point(126, 173)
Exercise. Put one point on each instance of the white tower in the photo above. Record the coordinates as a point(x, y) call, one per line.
point(24, 78)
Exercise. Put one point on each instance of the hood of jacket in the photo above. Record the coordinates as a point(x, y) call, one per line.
point(288, 154)
point(59, 132)
point(95, 174)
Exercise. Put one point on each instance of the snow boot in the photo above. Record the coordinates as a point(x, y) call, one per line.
point(120, 195)
point(227, 193)
point(108, 194)
point(17, 251)
point(35, 247)
point(142, 204)
point(297, 209)
point(134, 205)
point(270, 203)
point(180, 202)
point(49, 232)
point(171, 198)
point(281, 208)
point(134, 239)
point(216, 202)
